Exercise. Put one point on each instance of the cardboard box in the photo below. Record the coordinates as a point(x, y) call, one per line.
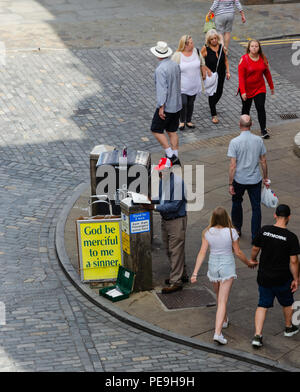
point(122, 288)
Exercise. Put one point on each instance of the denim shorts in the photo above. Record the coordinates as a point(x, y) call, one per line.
point(221, 268)
point(283, 294)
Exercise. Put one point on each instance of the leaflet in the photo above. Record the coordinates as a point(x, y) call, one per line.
point(114, 293)
point(139, 198)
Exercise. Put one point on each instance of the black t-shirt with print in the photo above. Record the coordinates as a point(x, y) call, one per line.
point(277, 245)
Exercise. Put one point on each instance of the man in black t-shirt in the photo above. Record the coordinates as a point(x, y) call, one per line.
point(277, 272)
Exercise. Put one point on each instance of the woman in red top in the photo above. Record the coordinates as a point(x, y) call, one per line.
point(252, 69)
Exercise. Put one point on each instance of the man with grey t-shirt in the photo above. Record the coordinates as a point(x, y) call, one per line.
point(246, 153)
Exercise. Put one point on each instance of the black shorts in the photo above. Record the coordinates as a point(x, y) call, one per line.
point(170, 124)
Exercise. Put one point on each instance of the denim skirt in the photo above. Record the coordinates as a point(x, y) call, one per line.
point(221, 268)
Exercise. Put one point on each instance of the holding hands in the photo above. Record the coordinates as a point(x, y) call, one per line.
point(252, 264)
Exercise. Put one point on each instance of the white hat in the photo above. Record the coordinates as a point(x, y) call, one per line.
point(161, 50)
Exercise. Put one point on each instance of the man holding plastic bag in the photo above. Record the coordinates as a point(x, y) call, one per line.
point(268, 197)
point(247, 152)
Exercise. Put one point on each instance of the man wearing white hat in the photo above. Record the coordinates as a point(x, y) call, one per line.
point(168, 97)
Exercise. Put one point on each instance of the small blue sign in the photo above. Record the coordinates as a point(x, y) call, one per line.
point(140, 222)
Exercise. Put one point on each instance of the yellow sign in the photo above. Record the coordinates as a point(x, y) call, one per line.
point(126, 242)
point(100, 252)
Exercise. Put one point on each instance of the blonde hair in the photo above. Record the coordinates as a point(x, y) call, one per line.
point(211, 33)
point(219, 217)
point(182, 42)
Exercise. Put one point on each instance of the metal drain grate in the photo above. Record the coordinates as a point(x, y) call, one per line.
point(288, 116)
point(187, 298)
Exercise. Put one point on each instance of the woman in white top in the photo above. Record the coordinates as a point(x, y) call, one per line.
point(222, 239)
point(192, 66)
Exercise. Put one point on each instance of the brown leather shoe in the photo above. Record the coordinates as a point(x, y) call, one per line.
point(184, 279)
point(171, 289)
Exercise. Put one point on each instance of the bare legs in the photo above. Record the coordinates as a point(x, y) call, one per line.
point(226, 40)
point(288, 314)
point(222, 290)
point(173, 140)
point(260, 316)
point(163, 140)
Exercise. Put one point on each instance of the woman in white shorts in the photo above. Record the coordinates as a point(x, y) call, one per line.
point(222, 239)
point(224, 15)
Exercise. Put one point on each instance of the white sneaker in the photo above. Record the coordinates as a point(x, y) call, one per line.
point(220, 339)
point(226, 323)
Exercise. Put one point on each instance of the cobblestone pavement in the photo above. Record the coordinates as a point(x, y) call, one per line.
point(55, 106)
point(103, 23)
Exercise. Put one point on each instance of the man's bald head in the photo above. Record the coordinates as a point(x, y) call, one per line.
point(245, 121)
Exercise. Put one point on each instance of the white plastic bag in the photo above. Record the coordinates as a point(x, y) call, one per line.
point(211, 84)
point(269, 198)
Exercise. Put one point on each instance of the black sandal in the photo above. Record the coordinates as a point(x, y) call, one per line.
point(191, 126)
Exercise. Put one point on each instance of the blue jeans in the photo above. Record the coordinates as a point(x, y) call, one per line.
point(254, 192)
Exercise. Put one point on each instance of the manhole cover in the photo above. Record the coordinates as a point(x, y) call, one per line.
point(288, 116)
point(82, 112)
point(188, 298)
